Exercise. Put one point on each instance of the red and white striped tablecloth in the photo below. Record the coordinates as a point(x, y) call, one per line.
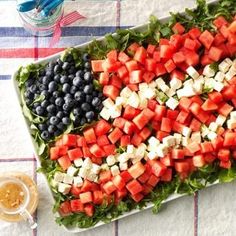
point(210, 212)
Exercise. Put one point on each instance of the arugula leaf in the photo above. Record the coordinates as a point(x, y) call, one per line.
point(214, 66)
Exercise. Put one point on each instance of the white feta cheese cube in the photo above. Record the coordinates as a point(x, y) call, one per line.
point(78, 162)
point(229, 61)
point(153, 141)
point(231, 73)
point(91, 177)
point(143, 86)
point(186, 92)
point(130, 149)
point(193, 147)
point(123, 166)
point(207, 71)
point(231, 124)
point(59, 176)
point(87, 164)
point(188, 82)
point(108, 103)
point(152, 155)
point(220, 76)
point(135, 160)
point(175, 83)
point(115, 170)
point(54, 183)
point(220, 120)
point(192, 72)
point(143, 103)
point(233, 115)
point(209, 82)
point(140, 151)
point(104, 166)
point(169, 141)
point(211, 135)
point(111, 160)
point(218, 86)
point(149, 93)
point(78, 181)
point(64, 188)
point(126, 92)
point(68, 179)
point(124, 157)
point(105, 113)
point(161, 150)
point(71, 171)
point(186, 131)
point(172, 103)
point(186, 141)
point(115, 112)
point(196, 137)
point(171, 92)
point(120, 101)
point(83, 172)
point(224, 66)
point(204, 131)
point(95, 168)
point(164, 88)
point(178, 138)
point(213, 126)
point(197, 87)
point(152, 85)
point(159, 82)
point(133, 100)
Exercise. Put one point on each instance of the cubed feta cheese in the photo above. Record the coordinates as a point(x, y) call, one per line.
point(188, 82)
point(172, 103)
point(153, 141)
point(197, 87)
point(231, 124)
point(104, 166)
point(230, 74)
point(68, 179)
point(71, 170)
point(169, 141)
point(87, 164)
point(233, 115)
point(143, 86)
point(213, 126)
point(204, 131)
point(211, 135)
point(229, 61)
point(108, 103)
point(152, 85)
point(130, 149)
point(224, 66)
point(126, 92)
point(133, 100)
point(186, 131)
point(193, 147)
point(209, 82)
point(152, 155)
point(83, 172)
point(178, 138)
point(123, 166)
point(186, 141)
point(159, 82)
point(218, 86)
point(95, 168)
point(220, 76)
point(143, 103)
point(186, 92)
point(161, 150)
point(140, 151)
point(136, 159)
point(171, 92)
point(59, 176)
point(175, 83)
point(120, 101)
point(91, 176)
point(196, 137)
point(192, 72)
point(220, 120)
point(111, 160)
point(54, 183)
point(124, 157)
point(115, 112)
point(78, 162)
point(149, 93)
point(105, 113)
point(163, 87)
point(115, 170)
point(207, 71)
point(78, 181)
point(64, 188)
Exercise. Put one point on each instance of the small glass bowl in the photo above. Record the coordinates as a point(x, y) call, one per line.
point(41, 26)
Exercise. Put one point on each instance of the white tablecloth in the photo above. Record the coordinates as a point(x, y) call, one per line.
point(211, 212)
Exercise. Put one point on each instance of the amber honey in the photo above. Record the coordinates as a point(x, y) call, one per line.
point(11, 195)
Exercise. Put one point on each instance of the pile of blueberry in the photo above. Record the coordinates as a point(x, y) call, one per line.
point(66, 90)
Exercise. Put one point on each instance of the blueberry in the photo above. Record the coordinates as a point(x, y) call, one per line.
point(52, 100)
point(51, 64)
point(85, 107)
point(96, 101)
point(77, 111)
point(29, 82)
point(28, 94)
point(64, 79)
point(28, 101)
point(44, 104)
point(59, 62)
point(46, 80)
point(61, 126)
point(39, 110)
point(69, 58)
point(45, 93)
point(57, 133)
point(100, 95)
point(88, 98)
point(52, 86)
point(72, 70)
point(69, 102)
point(68, 95)
point(66, 88)
point(88, 89)
point(66, 107)
point(98, 108)
point(51, 109)
point(82, 121)
point(79, 73)
point(33, 88)
point(77, 81)
point(45, 135)
point(42, 72)
point(71, 77)
point(73, 89)
point(42, 127)
point(52, 129)
point(54, 120)
point(36, 104)
point(59, 101)
point(42, 87)
point(89, 115)
point(89, 120)
point(57, 69)
point(86, 57)
point(79, 96)
point(66, 120)
point(49, 73)
point(66, 66)
point(87, 65)
point(57, 78)
point(60, 114)
point(88, 76)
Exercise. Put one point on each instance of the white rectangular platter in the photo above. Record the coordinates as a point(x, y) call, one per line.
point(27, 126)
